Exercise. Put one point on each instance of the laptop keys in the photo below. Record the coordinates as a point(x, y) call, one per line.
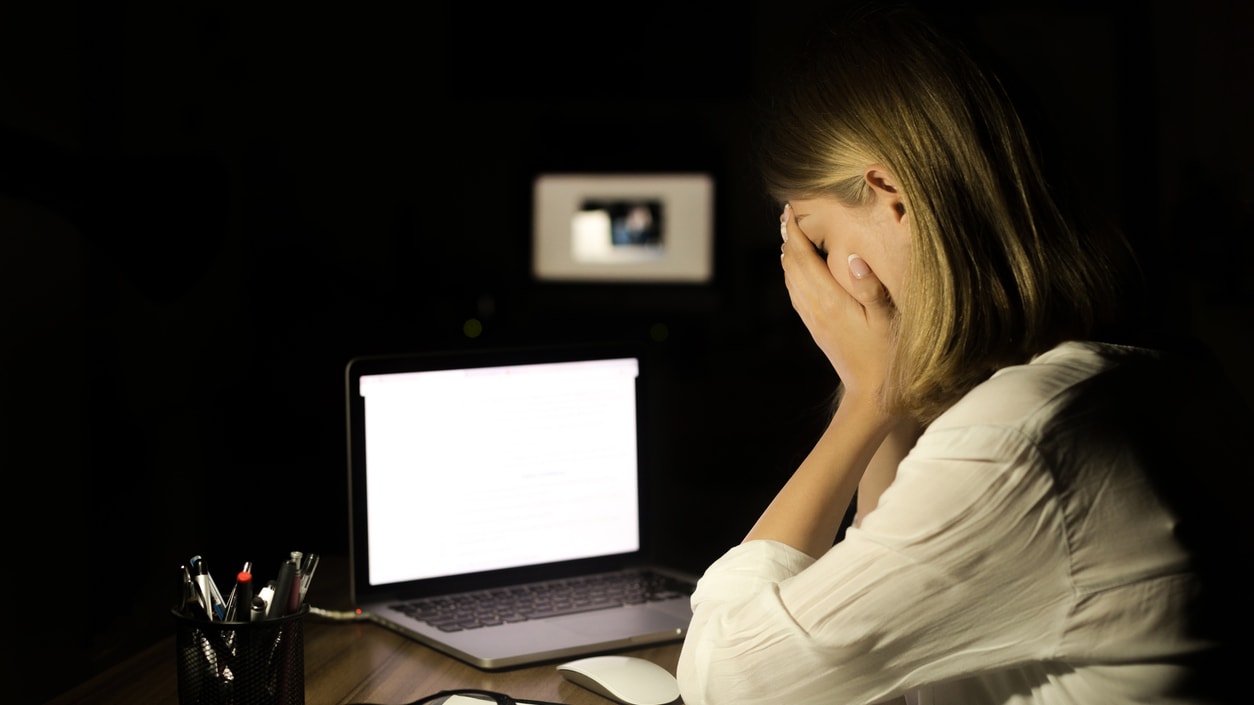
point(541, 600)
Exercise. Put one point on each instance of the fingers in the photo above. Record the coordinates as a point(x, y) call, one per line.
point(849, 316)
point(864, 285)
point(800, 252)
point(800, 256)
point(790, 233)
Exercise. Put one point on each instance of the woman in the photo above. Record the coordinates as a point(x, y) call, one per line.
point(1023, 530)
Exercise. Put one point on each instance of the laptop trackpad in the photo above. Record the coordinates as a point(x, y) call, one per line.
point(629, 622)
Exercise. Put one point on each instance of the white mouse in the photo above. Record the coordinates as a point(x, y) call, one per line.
point(624, 679)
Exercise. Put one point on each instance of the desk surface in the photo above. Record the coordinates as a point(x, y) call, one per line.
point(350, 662)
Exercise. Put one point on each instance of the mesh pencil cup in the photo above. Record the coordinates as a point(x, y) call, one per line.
point(241, 663)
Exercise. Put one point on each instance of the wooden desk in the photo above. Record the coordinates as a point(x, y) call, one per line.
point(350, 662)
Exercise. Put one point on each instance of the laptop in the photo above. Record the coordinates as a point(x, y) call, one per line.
point(497, 503)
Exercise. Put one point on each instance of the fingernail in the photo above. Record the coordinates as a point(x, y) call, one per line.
point(858, 267)
point(783, 231)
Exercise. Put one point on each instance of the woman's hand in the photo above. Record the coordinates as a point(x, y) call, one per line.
point(852, 324)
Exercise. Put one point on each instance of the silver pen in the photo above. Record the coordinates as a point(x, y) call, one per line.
point(211, 599)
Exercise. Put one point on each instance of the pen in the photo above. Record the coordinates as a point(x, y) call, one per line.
point(258, 611)
point(187, 590)
point(286, 587)
point(266, 597)
point(241, 601)
point(233, 606)
point(211, 599)
point(306, 574)
point(202, 600)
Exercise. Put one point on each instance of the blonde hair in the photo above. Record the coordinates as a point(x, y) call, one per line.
point(996, 272)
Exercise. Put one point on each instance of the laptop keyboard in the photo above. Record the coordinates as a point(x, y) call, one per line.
point(485, 608)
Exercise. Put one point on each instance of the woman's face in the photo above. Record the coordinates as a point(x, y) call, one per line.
point(877, 232)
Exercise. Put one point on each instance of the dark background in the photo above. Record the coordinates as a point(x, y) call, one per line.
point(205, 211)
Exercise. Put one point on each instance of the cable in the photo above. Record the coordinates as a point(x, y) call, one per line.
point(338, 615)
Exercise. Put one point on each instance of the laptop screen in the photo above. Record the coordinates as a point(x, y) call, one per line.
point(498, 463)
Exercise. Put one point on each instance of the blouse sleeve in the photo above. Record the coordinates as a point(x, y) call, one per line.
point(961, 568)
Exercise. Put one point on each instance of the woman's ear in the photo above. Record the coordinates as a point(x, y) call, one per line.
point(885, 187)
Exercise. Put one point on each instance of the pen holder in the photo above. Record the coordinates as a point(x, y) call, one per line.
point(241, 663)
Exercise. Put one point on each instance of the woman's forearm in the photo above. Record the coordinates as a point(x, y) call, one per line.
point(807, 512)
point(882, 469)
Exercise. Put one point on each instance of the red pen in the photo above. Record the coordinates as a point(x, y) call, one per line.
point(239, 606)
point(232, 600)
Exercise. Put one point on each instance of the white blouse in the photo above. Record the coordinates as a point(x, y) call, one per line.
point(1012, 560)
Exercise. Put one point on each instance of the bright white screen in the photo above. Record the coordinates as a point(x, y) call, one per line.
point(481, 469)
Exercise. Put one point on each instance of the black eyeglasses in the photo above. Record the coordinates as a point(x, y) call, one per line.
point(466, 696)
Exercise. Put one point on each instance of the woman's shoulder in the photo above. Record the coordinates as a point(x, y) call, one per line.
point(1016, 394)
